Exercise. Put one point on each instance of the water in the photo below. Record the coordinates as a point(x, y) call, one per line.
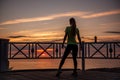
point(21, 64)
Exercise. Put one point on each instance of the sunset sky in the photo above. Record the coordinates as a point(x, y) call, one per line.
point(45, 20)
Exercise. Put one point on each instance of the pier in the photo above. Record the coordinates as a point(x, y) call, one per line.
point(50, 75)
point(41, 50)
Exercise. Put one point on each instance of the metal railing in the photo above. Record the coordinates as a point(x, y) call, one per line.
point(38, 50)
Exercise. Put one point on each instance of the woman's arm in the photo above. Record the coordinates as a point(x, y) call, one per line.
point(79, 39)
point(65, 36)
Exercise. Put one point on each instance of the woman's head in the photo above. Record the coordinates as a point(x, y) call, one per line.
point(73, 25)
point(72, 22)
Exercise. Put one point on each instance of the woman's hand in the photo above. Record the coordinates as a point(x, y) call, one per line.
point(80, 44)
point(62, 45)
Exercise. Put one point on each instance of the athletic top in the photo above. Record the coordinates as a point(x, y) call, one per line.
point(71, 39)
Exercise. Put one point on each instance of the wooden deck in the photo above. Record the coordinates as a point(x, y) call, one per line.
point(50, 75)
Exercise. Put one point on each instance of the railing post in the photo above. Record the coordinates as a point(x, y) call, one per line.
point(83, 58)
point(4, 63)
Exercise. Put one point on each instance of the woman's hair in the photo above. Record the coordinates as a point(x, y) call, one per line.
point(73, 25)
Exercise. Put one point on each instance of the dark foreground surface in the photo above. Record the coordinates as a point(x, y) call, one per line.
point(93, 74)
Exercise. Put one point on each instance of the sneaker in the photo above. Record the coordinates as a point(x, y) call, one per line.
point(75, 74)
point(58, 73)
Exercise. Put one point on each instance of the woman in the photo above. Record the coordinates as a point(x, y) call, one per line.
point(70, 32)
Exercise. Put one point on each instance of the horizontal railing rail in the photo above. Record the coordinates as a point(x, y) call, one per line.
point(40, 50)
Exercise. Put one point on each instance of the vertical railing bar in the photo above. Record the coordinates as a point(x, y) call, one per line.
point(117, 44)
point(85, 49)
point(83, 58)
point(107, 50)
point(88, 50)
point(36, 50)
point(10, 50)
point(53, 50)
point(32, 52)
point(114, 50)
point(59, 50)
point(29, 50)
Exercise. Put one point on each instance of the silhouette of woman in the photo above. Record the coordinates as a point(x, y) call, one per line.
point(70, 32)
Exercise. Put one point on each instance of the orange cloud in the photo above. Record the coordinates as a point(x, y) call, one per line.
point(109, 38)
point(111, 24)
point(45, 18)
point(34, 35)
point(80, 14)
point(2, 28)
point(102, 14)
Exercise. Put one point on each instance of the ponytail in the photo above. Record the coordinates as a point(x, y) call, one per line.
point(73, 25)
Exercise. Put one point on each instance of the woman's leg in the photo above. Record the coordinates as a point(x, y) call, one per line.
point(74, 54)
point(67, 51)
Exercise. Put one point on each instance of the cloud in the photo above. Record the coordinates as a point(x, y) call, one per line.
point(34, 35)
point(45, 18)
point(111, 24)
point(111, 38)
point(113, 32)
point(81, 14)
point(2, 28)
point(19, 36)
point(26, 32)
point(95, 15)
